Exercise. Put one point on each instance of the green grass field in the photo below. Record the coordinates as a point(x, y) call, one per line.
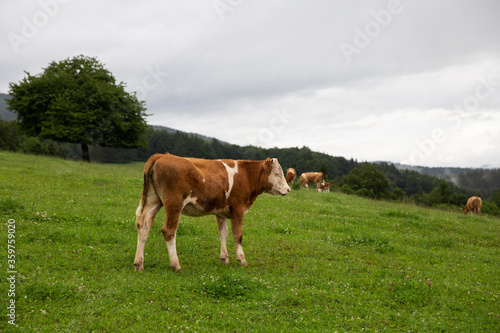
point(317, 262)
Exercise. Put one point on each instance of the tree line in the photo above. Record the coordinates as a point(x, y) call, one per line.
point(75, 108)
point(378, 181)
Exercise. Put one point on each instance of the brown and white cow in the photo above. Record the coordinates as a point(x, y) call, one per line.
point(323, 187)
point(291, 174)
point(473, 206)
point(197, 187)
point(310, 177)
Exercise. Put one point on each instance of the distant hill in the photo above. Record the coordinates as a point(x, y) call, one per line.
point(173, 130)
point(439, 172)
point(484, 180)
point(5, 114)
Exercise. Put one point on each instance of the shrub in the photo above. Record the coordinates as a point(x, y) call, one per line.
point(347, 189)
point(33, 146)
point(490, 208)
point(369, 181)
point(10, 136)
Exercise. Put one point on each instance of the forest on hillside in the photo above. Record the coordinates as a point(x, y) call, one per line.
point(381, 180)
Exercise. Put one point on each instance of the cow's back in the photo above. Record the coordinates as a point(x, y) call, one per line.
point(290, 175)
point(180, 175)
point(474, 203)
point(312, 176)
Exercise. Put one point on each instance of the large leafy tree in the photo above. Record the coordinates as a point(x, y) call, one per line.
point(369, 181)
point(77, 100)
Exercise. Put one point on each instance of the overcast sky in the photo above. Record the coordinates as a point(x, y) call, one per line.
point(402, 81)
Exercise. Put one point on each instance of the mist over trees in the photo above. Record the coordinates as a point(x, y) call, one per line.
point(113, 138)
point(373, 180)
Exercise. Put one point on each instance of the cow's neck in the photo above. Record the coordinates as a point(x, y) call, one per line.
point(256, 178)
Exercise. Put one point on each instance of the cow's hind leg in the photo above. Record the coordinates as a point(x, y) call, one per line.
point(477, 211)
point(169, 231)
point(237, 228)
point(145, 215)
point(223, 235)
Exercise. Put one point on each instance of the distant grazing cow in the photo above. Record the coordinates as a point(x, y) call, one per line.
point(323, 187)
point(197, 187)
point(310, 177)
point(473, 206)
point(290, 176)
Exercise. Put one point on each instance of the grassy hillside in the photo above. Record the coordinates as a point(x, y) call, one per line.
point(317, 262)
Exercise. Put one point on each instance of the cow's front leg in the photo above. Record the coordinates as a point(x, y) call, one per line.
point(223, 235)
point(237, 227)
point(169, 231)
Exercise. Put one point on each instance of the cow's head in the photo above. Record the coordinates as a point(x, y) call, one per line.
point(465, 209)
point(277, 182)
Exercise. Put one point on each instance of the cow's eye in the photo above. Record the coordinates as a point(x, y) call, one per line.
point(276, 174)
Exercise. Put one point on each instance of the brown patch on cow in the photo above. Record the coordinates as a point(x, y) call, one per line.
point(291, 174)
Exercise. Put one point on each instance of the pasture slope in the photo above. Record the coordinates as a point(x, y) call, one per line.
point(318, 262)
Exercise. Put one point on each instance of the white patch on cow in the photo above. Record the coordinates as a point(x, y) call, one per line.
point(240, 255)
point(172, 254)
point(189, 200)
point(204, 180)
point(230, 176)
point(223, 235)
point(191, 208)
point(278, 180)
point(171, 248)
point(138, 211)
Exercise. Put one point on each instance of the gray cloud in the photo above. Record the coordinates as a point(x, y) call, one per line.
point(224, 73)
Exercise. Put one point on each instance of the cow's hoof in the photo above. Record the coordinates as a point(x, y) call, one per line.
point(139, 267)
point(224, 261)
point(176, 268)
point(243, 262)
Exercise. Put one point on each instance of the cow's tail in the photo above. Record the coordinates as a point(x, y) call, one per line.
point(147, 185)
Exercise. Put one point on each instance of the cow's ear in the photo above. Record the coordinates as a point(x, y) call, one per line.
point(268, 164)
